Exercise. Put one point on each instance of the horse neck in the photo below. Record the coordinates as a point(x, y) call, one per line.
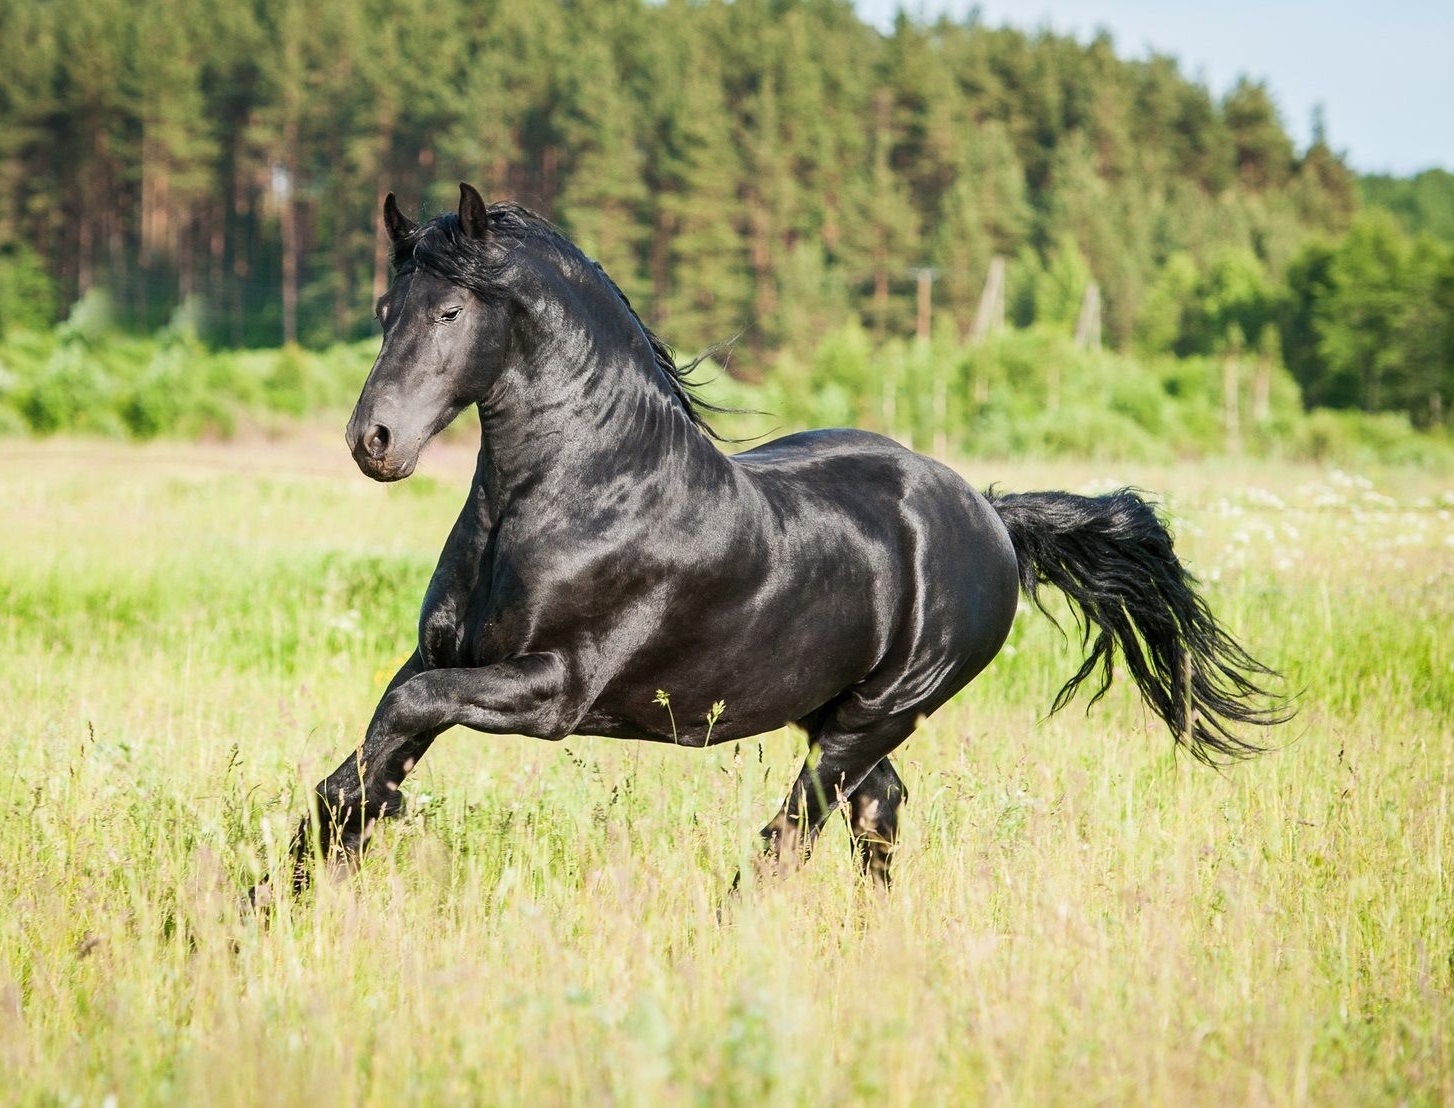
point(582, 401)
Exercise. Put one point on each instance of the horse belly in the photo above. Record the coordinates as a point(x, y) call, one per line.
point(766, 660)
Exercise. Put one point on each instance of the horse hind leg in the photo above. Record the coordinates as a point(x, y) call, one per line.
point(847, 758)
point(873, 820)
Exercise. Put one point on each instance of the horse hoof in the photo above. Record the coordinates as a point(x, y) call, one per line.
point(259, 900)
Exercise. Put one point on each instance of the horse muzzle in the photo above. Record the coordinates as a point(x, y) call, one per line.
point(375, 449)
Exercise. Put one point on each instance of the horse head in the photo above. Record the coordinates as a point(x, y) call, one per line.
point(446, 335)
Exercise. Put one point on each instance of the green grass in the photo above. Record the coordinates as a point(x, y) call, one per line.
point(193, 635)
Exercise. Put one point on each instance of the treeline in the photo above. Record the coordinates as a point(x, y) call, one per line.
point(770, 169)
point(1423, 204)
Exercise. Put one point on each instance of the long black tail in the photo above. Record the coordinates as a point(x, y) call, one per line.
point(1112, 556)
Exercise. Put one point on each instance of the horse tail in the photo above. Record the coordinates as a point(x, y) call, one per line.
point(1112, 556)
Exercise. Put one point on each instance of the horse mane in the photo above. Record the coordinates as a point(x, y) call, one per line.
point(441, 247)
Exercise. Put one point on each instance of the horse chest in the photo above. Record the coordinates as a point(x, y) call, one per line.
point(456, 625)
point(463, 631)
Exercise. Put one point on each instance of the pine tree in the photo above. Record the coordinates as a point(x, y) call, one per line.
point(696, 256)
point(604, 198)
point(1324, 189)
point(1358, 321)
point(1263, 151)
point(178, 154)
point(91, 140)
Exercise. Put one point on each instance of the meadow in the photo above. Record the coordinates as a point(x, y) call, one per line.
point(194, 634)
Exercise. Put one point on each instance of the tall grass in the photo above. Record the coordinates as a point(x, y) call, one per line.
point(196, 635)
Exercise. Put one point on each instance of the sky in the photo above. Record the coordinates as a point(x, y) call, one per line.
point(1383, 72)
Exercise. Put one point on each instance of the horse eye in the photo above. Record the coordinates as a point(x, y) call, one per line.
point(449, 315)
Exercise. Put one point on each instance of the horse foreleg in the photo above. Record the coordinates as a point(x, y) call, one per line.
point(520, 696)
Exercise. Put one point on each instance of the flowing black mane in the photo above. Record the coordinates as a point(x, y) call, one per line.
point(441, 247)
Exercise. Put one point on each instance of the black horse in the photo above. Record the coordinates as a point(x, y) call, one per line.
point(608, 549)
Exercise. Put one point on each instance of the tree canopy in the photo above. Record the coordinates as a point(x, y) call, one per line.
point(769, 169)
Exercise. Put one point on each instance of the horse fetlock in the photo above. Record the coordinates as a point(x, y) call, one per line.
point(786, 844)
point(866, 819)
point(393, 804)
point(259, 899)
point(874, 860)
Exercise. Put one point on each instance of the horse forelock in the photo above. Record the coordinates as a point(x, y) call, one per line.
point(441, 247)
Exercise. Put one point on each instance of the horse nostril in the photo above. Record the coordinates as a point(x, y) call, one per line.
point(376, 441)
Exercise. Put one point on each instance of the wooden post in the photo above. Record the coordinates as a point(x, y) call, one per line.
point(890, 402)
point(1268, 355)
point(1262, 390)
point(880, 296)
point(989, 318)
point(1088, 326)
point(1231, 406)
point(940, 409)
point(924, 326)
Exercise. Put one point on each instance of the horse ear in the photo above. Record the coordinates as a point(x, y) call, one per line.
point(396, 222)
point(473, 218)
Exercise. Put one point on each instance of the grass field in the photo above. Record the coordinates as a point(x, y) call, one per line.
point(193, 635)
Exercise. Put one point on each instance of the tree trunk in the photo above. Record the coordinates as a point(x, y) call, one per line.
point(764, 293)
point(186, 266)
point(292, 246)
point(880, 293)
point(241, 244)
point(342, 286)
point(217, 249)
point(1231, 404)
point(1262, 391)
point(86, 224)
point(890, 402)
point(989, 317)
point(658, 264)
point(381, 241)
point(924, 323)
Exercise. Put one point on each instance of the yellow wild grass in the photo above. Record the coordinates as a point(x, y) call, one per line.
point(193, 637)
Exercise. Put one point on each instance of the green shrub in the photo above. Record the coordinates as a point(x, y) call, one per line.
point(72, 392)
point(91, 317)
point(1361, 437)
point(285, 388)
point(176, 395)
point(1027, 393)
point(27, 294)
point(11, 421)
